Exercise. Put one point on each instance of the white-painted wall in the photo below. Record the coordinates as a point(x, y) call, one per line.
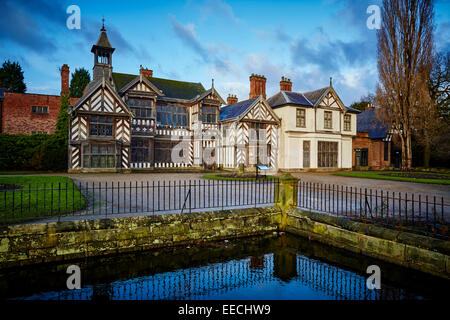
point(291, 137)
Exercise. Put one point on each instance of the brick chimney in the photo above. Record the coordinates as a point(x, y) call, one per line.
point(257, 86)
point(65, 72)
point(146, 72)
point(285, 84)
point(232, 99)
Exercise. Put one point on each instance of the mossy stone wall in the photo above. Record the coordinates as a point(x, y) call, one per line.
point(419, 252)
point(45, 242)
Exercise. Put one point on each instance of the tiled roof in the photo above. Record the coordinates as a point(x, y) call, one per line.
point(285, 97)
point(235, 110)
point(170, 88)
point(308, 99)
point(314, 96)
point(367, 122)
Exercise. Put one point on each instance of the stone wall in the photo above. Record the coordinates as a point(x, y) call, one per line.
point(45, 242)
point(418, 252)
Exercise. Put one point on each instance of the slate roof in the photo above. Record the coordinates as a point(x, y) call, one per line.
point(103, 40)
point(315, 95)
point(235, 110)
point(367, 122)
point(308, 99)
point(170, 88)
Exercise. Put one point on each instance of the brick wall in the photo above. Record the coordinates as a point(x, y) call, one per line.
point(18, 119)
point(375, 149)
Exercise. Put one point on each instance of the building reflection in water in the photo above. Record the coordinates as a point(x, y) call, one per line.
point(218, 279)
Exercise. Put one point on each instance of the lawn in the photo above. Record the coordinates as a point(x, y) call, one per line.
point(422, 177)
point(25, 198)
point(228, 176)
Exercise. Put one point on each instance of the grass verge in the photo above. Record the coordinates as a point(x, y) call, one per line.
point(26, 198)
point(224, 177)
point(445, 180)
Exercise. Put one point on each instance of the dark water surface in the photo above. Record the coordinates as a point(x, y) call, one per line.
point(275, 267)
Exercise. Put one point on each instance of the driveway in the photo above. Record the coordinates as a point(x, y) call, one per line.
point(376, 184)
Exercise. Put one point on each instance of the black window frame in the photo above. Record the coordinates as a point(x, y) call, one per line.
point(99, 124)
point(39, 109)
point(327, 154)
point(142, 108)
point(92, 153)
point(172, 115)
point(209, 114)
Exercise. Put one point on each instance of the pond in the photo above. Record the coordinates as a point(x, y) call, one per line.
point(270, 268)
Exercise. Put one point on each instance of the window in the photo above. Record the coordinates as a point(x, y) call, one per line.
point(327, 154)
point(386, 151)
point(101, 126)
point(301, 121)
point(328, 120)
point(140, 150)
point(255, 134)
point(98, 156)
point(163, 150)
point(170, 115)
point(142, 108)
point(306, 153)
point(361, 157)
point(209, 114)
point(39, 109)
point(347, 122)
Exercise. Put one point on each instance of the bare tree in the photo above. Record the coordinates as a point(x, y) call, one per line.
point(405, 47)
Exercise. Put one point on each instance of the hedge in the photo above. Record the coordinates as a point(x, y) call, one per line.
point(32, 152)
point(40, 152)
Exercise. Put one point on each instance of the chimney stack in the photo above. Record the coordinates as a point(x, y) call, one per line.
point(146, 72)
point(257, 86)
point(65, 73)
point(232, 99)
point(285, 84)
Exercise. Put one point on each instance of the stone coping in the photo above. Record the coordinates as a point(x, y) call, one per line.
point(408, 238)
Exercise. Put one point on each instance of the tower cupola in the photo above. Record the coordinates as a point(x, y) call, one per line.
point(102, 51)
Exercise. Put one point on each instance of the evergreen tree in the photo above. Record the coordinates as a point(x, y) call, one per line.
point(11, 77)
point(80, 79)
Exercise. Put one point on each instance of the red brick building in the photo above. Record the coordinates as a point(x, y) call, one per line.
point(372, 144)
point(30, 113)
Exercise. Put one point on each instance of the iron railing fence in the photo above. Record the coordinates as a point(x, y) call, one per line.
point(389, 208)
point(136, 198)
point(97, 199)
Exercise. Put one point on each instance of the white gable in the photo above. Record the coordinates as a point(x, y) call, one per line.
point(331, 100)
point(260, 111)
point(103, 99)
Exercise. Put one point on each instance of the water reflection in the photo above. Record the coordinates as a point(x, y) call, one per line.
point(279, 268)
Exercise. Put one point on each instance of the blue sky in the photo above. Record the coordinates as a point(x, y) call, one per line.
point(306, 41)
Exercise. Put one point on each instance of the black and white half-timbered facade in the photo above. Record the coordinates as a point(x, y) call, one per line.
point(126, 121)
point(250, 134)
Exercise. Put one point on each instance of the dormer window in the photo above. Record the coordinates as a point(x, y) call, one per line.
point(209, 114)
